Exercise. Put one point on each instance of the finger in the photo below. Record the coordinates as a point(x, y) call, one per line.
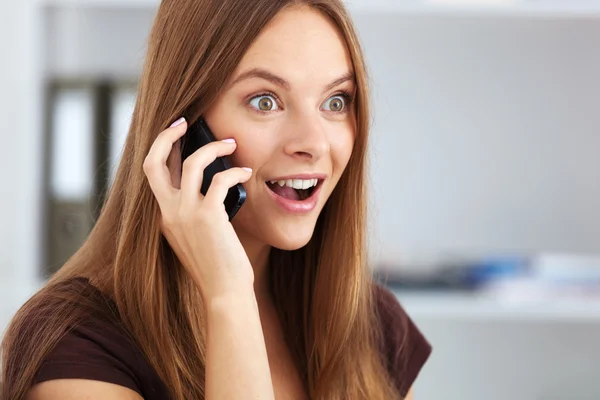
point(155, 164)
point(193, 167)
point(163, 144)
point(222, 182)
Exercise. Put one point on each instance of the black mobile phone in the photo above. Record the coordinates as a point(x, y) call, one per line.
point(197, 135)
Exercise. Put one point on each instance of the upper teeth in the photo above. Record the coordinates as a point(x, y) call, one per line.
point(297, 183)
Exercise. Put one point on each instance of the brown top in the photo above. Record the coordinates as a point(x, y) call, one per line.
point(100, 349)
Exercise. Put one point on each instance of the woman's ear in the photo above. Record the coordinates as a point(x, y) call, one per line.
point(174, 164)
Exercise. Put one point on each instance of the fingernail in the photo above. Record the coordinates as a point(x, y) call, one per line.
point(178, 122)
point(228, 140)
point(247, 169)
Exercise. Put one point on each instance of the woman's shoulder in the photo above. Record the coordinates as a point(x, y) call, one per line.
point(96, 345)
point(404, 348)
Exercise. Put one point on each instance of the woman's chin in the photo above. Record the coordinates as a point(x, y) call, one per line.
point(290, 241)
point(288, 233)
point(291, 236)
point(291, 246)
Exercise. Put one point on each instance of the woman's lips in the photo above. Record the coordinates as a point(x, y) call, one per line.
point(297, 206)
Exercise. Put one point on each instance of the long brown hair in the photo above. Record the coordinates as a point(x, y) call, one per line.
point(323, 291)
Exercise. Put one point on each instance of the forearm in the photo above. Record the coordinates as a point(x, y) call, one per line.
point(237, 366)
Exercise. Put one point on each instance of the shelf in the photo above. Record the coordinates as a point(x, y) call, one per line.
point(108, 4)
point(532, 8)
point(464, 306)
point(423, 306)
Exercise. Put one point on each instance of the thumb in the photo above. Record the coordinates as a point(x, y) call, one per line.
point(174, 165)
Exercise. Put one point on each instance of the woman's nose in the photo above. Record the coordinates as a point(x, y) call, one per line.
point(307, 139)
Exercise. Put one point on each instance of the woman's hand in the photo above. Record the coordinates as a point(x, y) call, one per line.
point(196, 226)
point(198, 229)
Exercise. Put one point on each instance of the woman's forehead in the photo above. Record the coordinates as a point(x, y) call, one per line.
point(302, 45)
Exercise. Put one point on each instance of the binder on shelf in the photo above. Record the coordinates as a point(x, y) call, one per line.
point(122, 105)
point(70, 172)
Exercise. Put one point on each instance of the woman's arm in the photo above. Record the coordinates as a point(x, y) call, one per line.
point(237, 358)
point(76, 389)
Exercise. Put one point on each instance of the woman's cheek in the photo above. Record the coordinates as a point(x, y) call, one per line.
point(342, 145)
point(254, 147)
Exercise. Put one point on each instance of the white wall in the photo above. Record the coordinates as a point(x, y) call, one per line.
point(102, 42)
point(20, 153)
point(486, 132)
point(7, 112)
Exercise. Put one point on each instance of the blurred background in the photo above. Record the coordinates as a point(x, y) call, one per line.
point(485, 166)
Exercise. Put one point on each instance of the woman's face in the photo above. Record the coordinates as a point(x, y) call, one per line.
point(289, 108)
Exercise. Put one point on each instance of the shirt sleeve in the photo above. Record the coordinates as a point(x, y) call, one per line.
point(93, 350)
point(404, 347)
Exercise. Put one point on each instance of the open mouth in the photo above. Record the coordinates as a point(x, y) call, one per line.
point(290, 189)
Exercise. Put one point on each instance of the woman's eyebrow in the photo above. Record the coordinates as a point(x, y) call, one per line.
point(262, 74)
point(279, 81)
point(349, 76)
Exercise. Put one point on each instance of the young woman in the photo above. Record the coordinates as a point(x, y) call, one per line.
point(167, 298)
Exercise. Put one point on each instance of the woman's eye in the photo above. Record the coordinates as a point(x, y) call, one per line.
point(264, 103)
point(335, 104)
